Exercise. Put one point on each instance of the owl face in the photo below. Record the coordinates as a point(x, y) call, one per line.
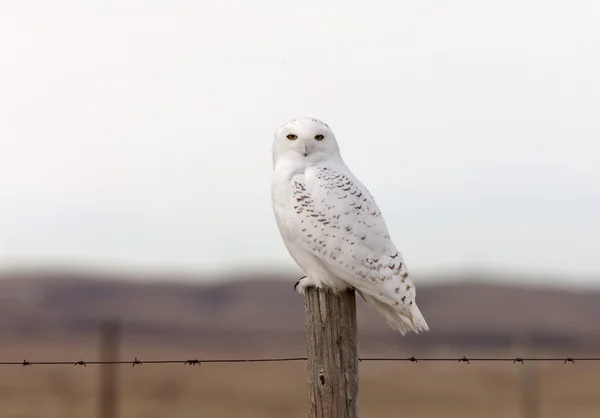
point(305, 139)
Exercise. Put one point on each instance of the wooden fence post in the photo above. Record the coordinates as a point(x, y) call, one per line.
point(109, 348)
point(332, 354)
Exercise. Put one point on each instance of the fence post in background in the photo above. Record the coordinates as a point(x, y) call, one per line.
point(109, 351)
point(529, 382)
point(332, 353)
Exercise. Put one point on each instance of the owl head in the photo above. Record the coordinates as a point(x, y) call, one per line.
point(306, 141)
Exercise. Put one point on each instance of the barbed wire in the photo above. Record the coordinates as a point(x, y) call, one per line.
point(195, 362)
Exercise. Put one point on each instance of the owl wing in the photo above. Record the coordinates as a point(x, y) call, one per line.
point(337, 220)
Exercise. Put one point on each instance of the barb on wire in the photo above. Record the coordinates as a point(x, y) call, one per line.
point(198, 362)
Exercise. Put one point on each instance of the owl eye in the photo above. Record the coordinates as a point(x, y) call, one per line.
point(319, 137)
point(292, 137)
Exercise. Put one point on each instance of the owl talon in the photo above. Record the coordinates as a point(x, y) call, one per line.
point(304, 283)
point(298, 282)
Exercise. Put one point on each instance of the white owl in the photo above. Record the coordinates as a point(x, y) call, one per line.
point(333, 228)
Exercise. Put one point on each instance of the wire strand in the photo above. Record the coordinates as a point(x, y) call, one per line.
point(193, 361)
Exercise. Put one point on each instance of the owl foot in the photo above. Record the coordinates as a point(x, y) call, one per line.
point(298, 282)
point(304, 283)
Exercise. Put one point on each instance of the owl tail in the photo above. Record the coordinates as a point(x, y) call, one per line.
point(400, 321)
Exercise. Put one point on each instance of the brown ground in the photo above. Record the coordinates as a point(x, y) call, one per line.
point(276, 390)
point(57, 318)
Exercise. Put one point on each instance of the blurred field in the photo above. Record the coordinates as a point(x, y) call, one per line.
point(276, 390)
point(57, 318)
point(260, 312)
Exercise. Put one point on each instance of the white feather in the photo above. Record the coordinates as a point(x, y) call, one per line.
point(333, 228)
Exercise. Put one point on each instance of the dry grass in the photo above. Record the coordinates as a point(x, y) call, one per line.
point(276, 390)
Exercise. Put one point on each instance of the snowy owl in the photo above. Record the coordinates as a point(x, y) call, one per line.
point(333, 228)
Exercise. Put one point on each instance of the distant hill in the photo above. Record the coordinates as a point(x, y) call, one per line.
point(266, 311)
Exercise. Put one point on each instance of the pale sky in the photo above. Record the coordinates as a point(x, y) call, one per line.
point(138, 133)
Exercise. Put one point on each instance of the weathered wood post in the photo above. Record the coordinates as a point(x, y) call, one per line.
point(332, 354)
